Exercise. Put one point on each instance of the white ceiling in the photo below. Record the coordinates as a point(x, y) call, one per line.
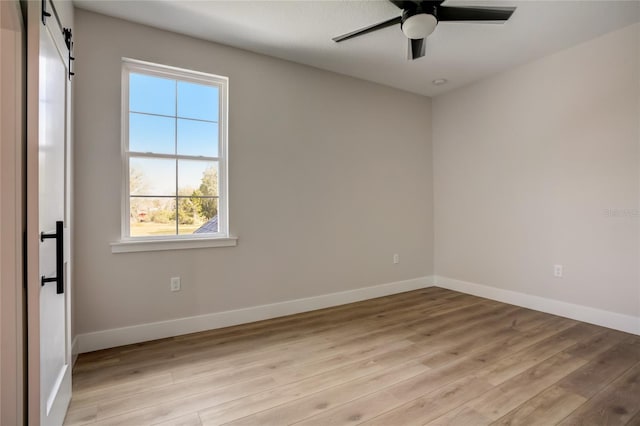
point(301, 31)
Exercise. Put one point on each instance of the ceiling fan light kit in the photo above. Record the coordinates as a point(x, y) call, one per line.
point(420, 17)
point(418, 26)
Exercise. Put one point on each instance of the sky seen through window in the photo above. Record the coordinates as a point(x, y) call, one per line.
point(171, 117)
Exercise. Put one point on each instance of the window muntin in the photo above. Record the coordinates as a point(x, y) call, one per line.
point(174, 150)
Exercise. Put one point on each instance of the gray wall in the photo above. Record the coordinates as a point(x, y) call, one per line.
point(527, 166)
point(329, 176)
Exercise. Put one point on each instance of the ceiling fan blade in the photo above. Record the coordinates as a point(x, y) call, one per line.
point(417, 48)
point(449, 13)
point(366, 30)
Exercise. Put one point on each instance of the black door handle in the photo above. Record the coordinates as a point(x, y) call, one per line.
point(59, 278)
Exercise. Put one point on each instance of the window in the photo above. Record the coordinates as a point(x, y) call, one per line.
point(174, 125)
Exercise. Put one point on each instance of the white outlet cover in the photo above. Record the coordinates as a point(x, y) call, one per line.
point(175, 284)
point(557, 271)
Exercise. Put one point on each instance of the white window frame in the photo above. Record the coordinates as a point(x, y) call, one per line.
point(166, 242)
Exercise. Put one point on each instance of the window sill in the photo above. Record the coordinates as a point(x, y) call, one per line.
point(130, 246)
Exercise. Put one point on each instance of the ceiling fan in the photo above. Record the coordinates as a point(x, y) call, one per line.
point(420, 17)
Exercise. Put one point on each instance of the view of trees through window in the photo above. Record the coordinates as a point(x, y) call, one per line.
point(196, 207)
point(173, 156)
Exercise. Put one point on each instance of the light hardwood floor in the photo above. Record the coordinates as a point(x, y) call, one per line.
point(430, 356)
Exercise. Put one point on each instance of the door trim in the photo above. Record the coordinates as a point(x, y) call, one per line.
point(12, 135)
point(34, 10)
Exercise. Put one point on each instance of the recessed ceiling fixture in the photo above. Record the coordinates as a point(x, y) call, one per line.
point(439, 81)
point(420, 17)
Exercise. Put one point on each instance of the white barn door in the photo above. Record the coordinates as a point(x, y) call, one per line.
point(48, 217)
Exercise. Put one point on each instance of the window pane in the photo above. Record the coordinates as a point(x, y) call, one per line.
point(197, 178)
point(152, 216)
point(197, 101)
point(197, 215)
point(152, 176)
point(151, 133)
point(153, 95)
point(197, 138)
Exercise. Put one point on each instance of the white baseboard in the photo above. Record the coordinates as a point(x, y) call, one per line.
point(74, 351)
point(88, 342)
point(626, 323)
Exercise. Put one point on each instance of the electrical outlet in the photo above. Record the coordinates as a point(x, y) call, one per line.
point(396, 258)
point(557, 271)
point(175, 284)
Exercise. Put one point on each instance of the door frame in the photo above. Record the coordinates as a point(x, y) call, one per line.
point(12, 221)
point(32, 236)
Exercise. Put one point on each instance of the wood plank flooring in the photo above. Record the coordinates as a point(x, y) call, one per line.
point(426, 357)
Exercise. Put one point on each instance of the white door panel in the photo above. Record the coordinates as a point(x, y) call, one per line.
point(53, 142)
